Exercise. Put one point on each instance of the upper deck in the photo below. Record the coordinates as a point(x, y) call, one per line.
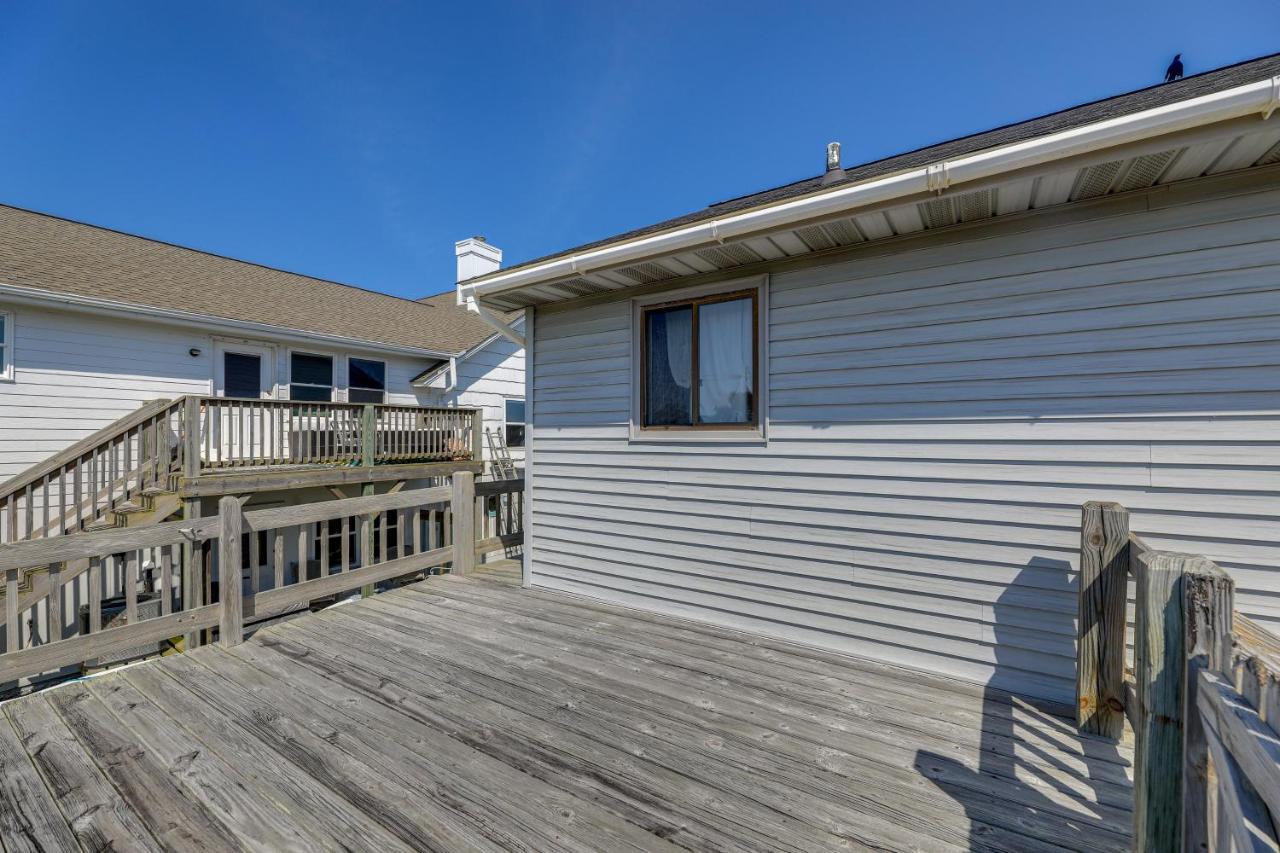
point(465, 713)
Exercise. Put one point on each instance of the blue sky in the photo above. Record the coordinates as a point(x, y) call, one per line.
point(358, 141)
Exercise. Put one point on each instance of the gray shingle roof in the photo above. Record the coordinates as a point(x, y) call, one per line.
point(1226, 77)
point(62, 256)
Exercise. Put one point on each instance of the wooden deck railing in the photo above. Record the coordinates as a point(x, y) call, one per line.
point(1203, 697)
point(145, 452)
point(184, 577)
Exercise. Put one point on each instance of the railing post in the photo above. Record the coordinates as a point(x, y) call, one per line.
point(1104, 565)
point(368, 435)
point(368, 456)
point(477, 435)
point(191, 438)
point(1208, 601)
point(1159, 664)
point(230, 588)
point(464, 522)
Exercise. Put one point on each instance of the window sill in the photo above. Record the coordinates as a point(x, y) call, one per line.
point(698, 436)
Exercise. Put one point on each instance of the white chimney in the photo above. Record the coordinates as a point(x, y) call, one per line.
point(475, 258)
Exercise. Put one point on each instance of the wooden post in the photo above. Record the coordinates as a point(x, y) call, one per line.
point(191, 435)
point(1208, 599)
point(1159, 671)
point(11, 626)
point(464, 521)
point(477, 435)
point(368, 456)
point(56, 629)
point(192, 571)
point(230, 591)
point(1104, 571)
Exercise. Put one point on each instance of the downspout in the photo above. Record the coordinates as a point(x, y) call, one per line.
point(489, 317)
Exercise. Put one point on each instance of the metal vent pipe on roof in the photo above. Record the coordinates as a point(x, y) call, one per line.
point(834, 172)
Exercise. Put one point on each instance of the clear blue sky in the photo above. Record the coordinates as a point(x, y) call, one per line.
point(357, 141)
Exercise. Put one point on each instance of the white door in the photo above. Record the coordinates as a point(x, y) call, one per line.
point(241, 371)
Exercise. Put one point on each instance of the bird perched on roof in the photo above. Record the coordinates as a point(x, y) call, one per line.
point(1175, 70)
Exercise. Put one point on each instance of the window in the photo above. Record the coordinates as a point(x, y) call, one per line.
point(699, 363)
point(242, 374)
point(515, 423)
point(6, 345)
point(366, 380)
point(310, 377)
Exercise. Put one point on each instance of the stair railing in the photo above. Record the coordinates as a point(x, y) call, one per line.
point(90, 478)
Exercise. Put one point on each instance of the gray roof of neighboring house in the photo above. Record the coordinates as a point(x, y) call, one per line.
point(57, 255)
point(1143, 99)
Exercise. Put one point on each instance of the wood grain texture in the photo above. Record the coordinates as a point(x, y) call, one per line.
point(1104, 576)
point(467, 713)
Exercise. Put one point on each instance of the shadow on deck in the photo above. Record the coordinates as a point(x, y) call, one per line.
point(470, 714)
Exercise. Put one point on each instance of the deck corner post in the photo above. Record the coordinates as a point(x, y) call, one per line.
point(191, 438)
point(464, 528)
point(230, 587)
point(1104, 562)
point(1208, 601)
point(477, 435)
point(1158, 663)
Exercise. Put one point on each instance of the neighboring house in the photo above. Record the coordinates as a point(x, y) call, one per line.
point(862, 410)
point(94, 322)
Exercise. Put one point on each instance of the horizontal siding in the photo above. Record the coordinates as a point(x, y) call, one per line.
point(75, 372)
point(486, 378)
point(937, 414)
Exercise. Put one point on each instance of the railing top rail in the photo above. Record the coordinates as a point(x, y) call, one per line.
point(499, 487)
point(343, 404)
point(77, 546)
point(109, 432)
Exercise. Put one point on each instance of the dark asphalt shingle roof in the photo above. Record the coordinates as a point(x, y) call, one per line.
point(1208, 82)
point(62, 256)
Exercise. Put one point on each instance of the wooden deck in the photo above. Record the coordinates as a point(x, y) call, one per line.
point(470, 714)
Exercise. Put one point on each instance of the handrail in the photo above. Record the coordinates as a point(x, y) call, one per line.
point(292, 555)
point(111, 431)
point(1204, 697)
point(120, 467)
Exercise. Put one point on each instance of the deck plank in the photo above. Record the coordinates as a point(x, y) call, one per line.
point(900, 793)
point(887, 688)
point(494, 789)
point(332, 816)
point(97, 814)
point(177, 820)
point(471, 714)
point(690, 811)
point(30, 820)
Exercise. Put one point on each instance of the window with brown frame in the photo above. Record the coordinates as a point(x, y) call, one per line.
point(700, 363)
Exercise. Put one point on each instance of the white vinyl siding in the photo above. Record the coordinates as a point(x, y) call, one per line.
point(938, 411)
point(82, 371)
point(486, 378)
point(6, 345)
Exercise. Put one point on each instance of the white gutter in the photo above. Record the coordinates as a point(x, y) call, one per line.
point(1261, 98)
point(108, 307)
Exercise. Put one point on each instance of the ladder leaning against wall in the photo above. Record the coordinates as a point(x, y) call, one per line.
point(501, 465)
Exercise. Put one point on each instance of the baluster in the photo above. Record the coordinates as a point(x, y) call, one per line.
point(324, 548)
point(346, 544)
point(255, 561)
point(131, 587)
point(55, 602)
point(277, 552)
point(303, 550)
point(29, 514)
point(166, 579)
point(11, 625)
point(95, 595)
point(45, 523)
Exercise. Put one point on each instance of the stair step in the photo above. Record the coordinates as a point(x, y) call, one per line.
point(105, 522)
point(156, 491)
point(127, 507)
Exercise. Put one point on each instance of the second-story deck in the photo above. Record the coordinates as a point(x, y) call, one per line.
point(466, 713)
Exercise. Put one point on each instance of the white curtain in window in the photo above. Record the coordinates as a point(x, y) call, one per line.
point(725, 356)
point(680, 346)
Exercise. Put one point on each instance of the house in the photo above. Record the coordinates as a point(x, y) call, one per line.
point(95, 322)
point(862, 410)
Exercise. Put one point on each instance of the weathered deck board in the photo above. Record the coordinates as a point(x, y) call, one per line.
point(470, 714)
